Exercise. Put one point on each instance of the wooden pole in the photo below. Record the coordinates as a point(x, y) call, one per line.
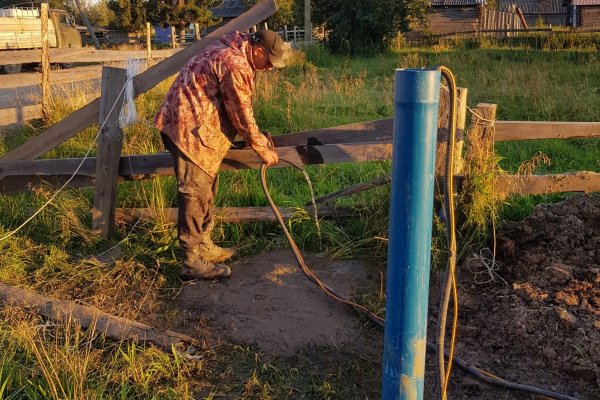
point(173, 38)
point(114, 327)
point(45, 63)
point(522, 17)
point(479, 155)
point(148, 43)
point(110, 143)
point(443, 130)
point(307, 22)
point(89, 27)
point(197, 31)
point(461, 121)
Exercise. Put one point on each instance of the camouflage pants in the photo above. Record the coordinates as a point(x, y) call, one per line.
point(196, 192)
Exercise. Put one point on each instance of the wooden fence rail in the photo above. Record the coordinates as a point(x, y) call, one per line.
point(86, 54)
point(368, 141)
point(22, 114)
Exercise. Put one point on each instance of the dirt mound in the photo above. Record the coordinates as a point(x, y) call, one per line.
point(270, 303)
point(542, 326)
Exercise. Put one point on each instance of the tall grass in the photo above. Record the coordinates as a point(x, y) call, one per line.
point(60, 360)
point(135, 274)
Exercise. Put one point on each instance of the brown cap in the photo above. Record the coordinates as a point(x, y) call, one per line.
point(273, 43)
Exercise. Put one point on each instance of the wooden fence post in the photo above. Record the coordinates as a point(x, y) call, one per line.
point(148, 43)
point(285, 33)
point(197, 31)
point(443, 131)
point(480, 138)
point(173, 38)
point(45, 63)
point(110, 142)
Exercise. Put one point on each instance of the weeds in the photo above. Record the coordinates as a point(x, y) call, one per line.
point(43, 360)
point(134, 275)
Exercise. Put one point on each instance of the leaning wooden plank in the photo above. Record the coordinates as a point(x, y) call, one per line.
point(87, 115)
point(542, 184)
point(146, 166)
point(89, 317)
point(527, 130)
point(229, 214)
point(80, 55)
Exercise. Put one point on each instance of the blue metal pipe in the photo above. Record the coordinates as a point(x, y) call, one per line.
point(416, 96)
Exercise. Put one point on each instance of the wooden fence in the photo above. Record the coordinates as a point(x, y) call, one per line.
point(492, 20)
point(368, 141)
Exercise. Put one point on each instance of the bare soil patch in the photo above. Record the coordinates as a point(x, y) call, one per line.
point(541, 327)
point(538, 325)
point(269, 302)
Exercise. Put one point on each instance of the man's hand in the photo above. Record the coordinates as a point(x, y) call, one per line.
point(269, 157)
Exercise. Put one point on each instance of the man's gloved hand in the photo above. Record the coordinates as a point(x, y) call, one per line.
point(269, 157)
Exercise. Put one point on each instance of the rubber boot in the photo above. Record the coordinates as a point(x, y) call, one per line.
point(210, 251)
point(195, 267)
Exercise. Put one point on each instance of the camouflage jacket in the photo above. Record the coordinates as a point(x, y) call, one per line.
point(211, 101)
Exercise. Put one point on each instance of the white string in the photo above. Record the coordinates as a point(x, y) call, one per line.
point(128, 113)
point(72, 176)
point(485, 265)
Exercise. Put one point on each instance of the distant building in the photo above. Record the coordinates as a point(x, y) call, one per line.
point(450, 16)
point(549, 12)
point(229, 9)
point(583, 13)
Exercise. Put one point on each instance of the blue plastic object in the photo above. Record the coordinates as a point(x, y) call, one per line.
point(416, 97)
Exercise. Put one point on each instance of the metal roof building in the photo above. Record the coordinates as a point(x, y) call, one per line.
point(229, 9)
point(457, 3)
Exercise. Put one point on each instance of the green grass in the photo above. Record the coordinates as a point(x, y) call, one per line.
point(57, 255)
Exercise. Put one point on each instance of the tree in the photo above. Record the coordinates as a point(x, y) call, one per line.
point(99, 14)
point(283, 16)
point(365, 26)
point(130, 15)
point(181, 13)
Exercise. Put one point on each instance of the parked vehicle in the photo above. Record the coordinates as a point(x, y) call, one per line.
point(21, 29)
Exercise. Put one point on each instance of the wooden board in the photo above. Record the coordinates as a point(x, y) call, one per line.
point(229, 214)
point(527, 130)
point(86, 54)
point(149, 166)
point(18, 115)
point(371, 131)
point(586, 182)
point(87, 115)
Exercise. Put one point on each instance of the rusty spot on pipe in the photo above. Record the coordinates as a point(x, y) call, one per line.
point(419, 348)
point(408, 387)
